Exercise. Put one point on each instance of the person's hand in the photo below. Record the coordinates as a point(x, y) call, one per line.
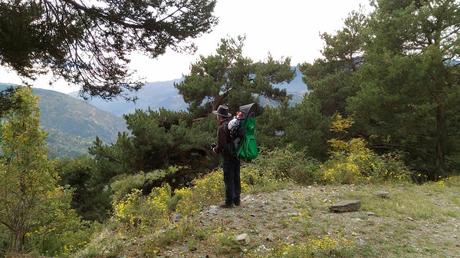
point(213, 147)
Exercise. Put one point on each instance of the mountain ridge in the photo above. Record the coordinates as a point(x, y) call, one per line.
point(72, 125)
point(163, 94)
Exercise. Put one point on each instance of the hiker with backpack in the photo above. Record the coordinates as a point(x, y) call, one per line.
point(231, 165)
point(235, 140)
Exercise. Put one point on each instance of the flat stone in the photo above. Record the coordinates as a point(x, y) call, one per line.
point(242, 238)
point(371, 214)
point(383, 194)
point(346, 206)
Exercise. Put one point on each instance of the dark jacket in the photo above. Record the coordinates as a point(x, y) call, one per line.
point(225, 145)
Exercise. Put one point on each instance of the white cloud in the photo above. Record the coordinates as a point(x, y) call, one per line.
point(288, 28)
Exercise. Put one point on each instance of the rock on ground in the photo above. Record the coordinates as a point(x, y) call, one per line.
point(346, 206)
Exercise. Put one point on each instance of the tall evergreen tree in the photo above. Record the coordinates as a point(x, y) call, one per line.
point(330, 79)
point(228, 77)
point(408, 79)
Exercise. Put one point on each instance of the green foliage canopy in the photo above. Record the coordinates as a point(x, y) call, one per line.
point(409, 82)
point(228, 77)
point(88, 43)
point(33, 208)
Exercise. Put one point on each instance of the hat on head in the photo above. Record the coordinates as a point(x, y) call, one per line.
point(222, 111)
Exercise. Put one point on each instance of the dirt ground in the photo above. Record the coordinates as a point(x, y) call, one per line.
point(415, 221)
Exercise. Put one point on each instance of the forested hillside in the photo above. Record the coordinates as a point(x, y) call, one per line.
point(72, 125)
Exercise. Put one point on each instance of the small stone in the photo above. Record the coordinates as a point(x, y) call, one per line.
point(247, 198)
point(213, 209)
point(371, 214)
point(293, 214)
point(383, 194)
point(346, 206)
point(269, 238)
point(262, 248)
point(176, 217)
point(409, 218)
point(242, 238)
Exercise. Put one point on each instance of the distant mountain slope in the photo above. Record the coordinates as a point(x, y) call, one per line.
point(164, 95)
point(72, 124)
point(154, 95)
point(297, 86)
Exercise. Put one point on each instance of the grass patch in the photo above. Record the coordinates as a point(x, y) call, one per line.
point(226, 244)
point(405, 202)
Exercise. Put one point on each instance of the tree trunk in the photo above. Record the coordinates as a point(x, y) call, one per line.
point(441, 137)
point(17, 241)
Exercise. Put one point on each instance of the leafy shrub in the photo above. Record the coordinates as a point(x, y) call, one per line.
point(352, 162)
point(125, 184)
point(261, 180)
point(144, 212)
point(206, 190)
point(289, 164)
point(62, 232)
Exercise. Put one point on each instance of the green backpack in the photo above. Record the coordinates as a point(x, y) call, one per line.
point(248, 146)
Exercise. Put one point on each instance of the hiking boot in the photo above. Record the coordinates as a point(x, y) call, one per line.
point(237, 203)
point(226, 206)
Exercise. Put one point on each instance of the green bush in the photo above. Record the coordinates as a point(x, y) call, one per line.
point(63, 231)
point(125, 184)
point(289, 164)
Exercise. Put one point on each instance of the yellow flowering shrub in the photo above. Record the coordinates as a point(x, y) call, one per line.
point(138, 211)
point(352, 162)
point(206, 190)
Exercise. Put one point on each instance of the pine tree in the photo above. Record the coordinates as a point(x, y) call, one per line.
point(408, 79)
point(228, 77)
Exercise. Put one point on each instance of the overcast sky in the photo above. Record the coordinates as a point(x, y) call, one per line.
point(288, 28)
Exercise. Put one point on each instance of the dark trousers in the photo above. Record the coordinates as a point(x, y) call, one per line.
point(232, 181)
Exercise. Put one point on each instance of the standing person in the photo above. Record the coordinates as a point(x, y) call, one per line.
point(231, 165)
